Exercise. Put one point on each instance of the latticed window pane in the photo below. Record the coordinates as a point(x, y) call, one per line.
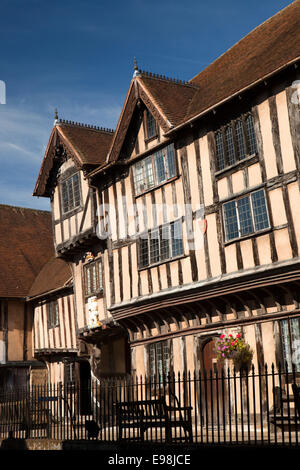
point(143, 253)
point(165, 242)
point(290, 342)
point(240, 140)
point(70, 377)
point(230, 145)
point(138, 178)
point(154, 246)
point(71, 193)
point(53, 314)
point(170, 157)
point(149, 179)
point(260, 212)
point(220, 151)
point(231, 220)
point(251, 135)
point(245, 217)
point(176, 235)
point(93, 277)
point(160, 167)
point(76, 190)
point(295, 342)
point(152, 361)
point(159, 359)
point(151, 127)
point(100, 277)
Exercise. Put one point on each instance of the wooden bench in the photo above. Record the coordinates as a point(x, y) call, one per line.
point(147, 414)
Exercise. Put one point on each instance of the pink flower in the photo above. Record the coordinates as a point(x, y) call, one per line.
point(238, 336)
point(223, 355)
point(222, 336)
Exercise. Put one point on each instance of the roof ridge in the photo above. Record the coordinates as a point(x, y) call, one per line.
point(242, 39)
point(86, 126)
point(177, 81)
point(25, 208)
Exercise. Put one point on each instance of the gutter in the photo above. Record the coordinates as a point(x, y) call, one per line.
point(53, 291)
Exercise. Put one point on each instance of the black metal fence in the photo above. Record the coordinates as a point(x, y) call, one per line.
point(248, 407)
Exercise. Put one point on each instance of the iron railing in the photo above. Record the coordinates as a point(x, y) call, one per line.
point(250, 407)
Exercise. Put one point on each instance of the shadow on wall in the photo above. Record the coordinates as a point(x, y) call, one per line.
point(11, 443)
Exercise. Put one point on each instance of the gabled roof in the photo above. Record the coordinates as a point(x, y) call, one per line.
point(26, 244)
point(266, 49)
point(86, 145)
point(56, 274)
point(167, 100)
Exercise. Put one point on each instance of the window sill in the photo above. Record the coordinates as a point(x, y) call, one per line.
point(150, 139)
point(249, 160)
point(174, 178)
point(68, 214)
point(249, 236)
point(99, 295)
point(52, 327)
point(169, 260)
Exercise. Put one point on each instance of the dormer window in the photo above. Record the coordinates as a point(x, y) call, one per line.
point(70, 191)
point(235, 142)
point(150, 127)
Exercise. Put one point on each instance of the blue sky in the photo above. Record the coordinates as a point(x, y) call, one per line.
point(77, 55)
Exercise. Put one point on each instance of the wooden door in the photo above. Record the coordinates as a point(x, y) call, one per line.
point(214, 390)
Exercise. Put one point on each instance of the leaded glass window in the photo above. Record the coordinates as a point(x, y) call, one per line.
point(93, 277)
point(245, 215)
point(290, 342)
point(53, 314)
point(150, 125)
point(161, 244)
point(154, 169)
point(159, 361)
point(220, 151)
point(70, 191)
point(235, 141)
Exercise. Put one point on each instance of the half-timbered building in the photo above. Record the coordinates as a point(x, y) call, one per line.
point(184, 222)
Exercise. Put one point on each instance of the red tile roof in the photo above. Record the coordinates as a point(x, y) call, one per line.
point(172, 97)
point(54, 275)
point(90, 143)
point(26, 244)
point(266, 49)
point(269, 47)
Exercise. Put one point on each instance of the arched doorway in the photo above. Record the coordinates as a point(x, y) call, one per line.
point(214, 384)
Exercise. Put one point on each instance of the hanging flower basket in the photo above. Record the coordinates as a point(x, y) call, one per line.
point(234, 348)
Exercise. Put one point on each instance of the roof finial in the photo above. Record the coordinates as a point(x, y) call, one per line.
point(55, 116)
point(136, 70)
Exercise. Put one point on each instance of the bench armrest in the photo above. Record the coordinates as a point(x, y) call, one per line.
point(179, 408)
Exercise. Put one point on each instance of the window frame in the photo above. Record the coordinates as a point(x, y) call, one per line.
point(154, 158)
point(146, 237)
point(98, 290)
point(235, 144)
point(63, 182)
point(166, 368)
point(290, 341)
point(148, 137)
point(52, 315)
point(255, 231)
